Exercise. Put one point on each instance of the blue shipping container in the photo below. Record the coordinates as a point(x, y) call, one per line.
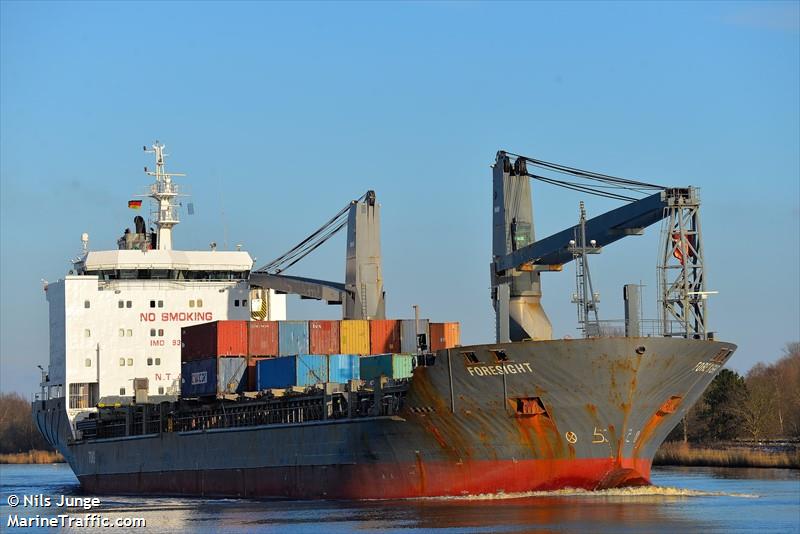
point(389, 365)
point(213, 376)
point(292, 337)
point(311, 369)
point(287, 371)
point(343, 367)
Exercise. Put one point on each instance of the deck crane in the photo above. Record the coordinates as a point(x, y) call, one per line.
point(518, 259)
point(361, 295)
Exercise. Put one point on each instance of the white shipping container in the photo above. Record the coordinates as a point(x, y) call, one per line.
point(408, 340)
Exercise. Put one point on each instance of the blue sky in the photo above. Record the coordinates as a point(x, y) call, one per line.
point(281, 113)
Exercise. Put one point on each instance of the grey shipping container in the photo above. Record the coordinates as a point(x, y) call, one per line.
point(408, 340)
point(293, 337)
point(213, 377)
point(287, 371)
point(389, 365)
point(343, 367)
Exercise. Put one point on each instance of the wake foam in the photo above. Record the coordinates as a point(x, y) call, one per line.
point(634, 492)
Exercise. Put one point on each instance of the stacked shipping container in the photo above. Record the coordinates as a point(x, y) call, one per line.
point(203, 347)
point(354, 337)
point(214, 358)
point(213, 377)
point(324, 337)
point(384, 336)
point(292, 338)
point(444, 336)
point(394, 366)
point(213, 340)
point(306, 370)
point(409, 329)
point(288, 371)
point(262, 338)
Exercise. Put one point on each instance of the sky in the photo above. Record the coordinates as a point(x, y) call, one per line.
point(280, 113)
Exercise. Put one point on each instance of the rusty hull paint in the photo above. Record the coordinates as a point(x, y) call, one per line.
point(383, 481)
point(614, 402)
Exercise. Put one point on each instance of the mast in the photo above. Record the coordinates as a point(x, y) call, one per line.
point(584, 296)
point(164, 192)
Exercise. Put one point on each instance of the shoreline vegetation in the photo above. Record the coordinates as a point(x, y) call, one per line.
point(678, 453)
point(669, 454)
point(32, 457)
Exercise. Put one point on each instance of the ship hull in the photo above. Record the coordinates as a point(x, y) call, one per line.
point(379, 481)
point(513, 417)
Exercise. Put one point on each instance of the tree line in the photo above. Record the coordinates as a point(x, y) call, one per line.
point(762, 404)
point(17, 431)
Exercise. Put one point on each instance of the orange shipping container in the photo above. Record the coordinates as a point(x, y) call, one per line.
point(384, 336)
point(262, 338)
point(444, 336)
point(212, 340)
point(323, 337)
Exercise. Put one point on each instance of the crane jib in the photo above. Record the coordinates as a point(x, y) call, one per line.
point(605, 229)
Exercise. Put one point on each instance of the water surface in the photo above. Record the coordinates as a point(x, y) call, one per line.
point(708, 500)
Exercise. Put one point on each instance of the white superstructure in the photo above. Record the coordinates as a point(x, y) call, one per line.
point(117, 317)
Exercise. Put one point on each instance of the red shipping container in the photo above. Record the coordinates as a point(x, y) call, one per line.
point(323, 337)
point(262, 338)
point(444, 336)
point(213, 340)
point(252, 361)
point(384, 336)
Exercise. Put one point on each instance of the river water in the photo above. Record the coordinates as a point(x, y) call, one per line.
point(707, 500)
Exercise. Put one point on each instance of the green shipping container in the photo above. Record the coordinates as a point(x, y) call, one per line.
point(389, 365)
point(354, 336)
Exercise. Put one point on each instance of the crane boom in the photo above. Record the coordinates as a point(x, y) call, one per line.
point(605, 229)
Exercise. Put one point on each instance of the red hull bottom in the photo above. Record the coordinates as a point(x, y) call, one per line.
point(380, 481)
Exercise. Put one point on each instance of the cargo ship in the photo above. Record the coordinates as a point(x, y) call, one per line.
point(177, 373)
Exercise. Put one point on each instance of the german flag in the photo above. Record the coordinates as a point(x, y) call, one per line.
point(134, 204)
